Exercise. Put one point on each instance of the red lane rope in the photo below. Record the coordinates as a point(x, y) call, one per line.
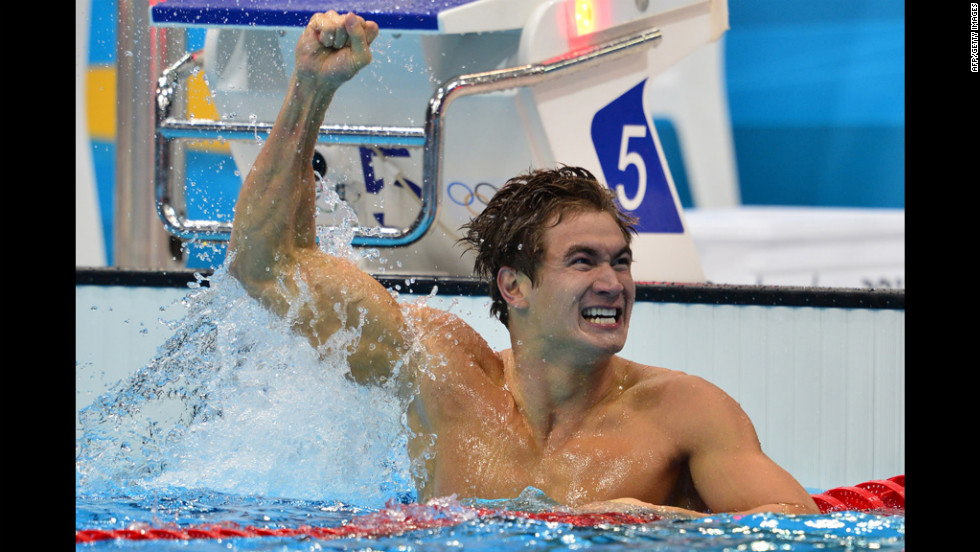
point(883, 495)
point(879, 494)
point(384, 523)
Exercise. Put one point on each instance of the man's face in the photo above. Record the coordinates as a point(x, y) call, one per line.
point(584, 294)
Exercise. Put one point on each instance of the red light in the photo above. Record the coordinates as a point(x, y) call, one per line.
point(585, 18)
point(585, 22)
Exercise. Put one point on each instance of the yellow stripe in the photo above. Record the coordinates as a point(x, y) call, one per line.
point(100, 101)
point(201, 105)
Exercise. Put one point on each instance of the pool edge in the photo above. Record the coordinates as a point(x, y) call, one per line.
point(788, 296)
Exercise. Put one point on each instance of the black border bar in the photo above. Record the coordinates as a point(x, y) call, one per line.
point(787, 296)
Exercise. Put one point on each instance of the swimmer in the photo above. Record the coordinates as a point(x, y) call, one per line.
point(560, 410)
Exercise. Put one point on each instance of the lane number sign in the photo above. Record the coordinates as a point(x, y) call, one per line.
point(632, 165)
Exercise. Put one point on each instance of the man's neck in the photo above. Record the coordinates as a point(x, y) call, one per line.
point(555, 395)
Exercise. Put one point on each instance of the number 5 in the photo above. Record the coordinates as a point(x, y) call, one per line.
point(627, 158)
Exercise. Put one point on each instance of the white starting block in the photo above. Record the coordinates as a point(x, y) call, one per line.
point(797, 246)
point(531, 84)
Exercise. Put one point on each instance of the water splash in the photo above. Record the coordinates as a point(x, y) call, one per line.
point(236, 402)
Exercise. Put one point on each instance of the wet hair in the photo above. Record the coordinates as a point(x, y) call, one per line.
point(510, 230)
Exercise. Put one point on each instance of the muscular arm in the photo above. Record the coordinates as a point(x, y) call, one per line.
point(273, 250)
point(728, 468)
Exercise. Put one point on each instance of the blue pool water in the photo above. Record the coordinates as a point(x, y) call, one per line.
point(188, 508)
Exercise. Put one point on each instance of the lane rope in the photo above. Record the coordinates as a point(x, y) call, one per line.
point(387, 522)
point(879, 494)
point(885, 495)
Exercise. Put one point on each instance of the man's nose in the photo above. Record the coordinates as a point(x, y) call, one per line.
point(607, 281)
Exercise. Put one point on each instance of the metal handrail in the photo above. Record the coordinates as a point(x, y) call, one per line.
point(169, 129)
point(430, 137)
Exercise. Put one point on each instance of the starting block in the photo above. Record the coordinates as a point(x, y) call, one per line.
point(530, 84)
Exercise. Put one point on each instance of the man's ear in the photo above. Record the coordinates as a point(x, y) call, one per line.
point(510, 282)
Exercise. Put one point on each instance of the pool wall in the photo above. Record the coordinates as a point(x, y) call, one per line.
point(820, 371)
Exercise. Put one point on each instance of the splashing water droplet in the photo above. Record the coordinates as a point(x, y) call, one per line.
point(235, 401)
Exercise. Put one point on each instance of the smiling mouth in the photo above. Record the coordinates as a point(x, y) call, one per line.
point(603, 316)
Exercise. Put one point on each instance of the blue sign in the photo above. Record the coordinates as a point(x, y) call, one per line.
point(632, 166)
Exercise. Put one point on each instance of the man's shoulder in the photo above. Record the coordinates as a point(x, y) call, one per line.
point(644, 376)
point(457, 344)
point(436, 326)
point(689, 407)
point(669, 388)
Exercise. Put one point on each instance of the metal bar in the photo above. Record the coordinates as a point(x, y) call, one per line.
point(169, 130)
point(141, 51)
point(205, 129)
point(429, 137)
point(505, 79)
point(164, 153)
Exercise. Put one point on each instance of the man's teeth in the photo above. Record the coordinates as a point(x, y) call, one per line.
point(599, 315)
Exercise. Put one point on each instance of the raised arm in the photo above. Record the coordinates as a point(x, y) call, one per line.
point(273, 250)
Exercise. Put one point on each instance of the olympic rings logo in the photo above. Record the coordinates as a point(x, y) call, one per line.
point(461, 194)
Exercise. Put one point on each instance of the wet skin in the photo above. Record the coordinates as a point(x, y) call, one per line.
point(560, 410)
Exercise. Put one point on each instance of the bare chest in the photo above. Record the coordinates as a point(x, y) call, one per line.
point(486, 450)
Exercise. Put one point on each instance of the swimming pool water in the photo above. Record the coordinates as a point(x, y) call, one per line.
point(183, 508)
